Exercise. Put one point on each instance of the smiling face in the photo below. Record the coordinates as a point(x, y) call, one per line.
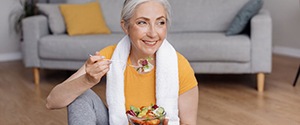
point(147, 29)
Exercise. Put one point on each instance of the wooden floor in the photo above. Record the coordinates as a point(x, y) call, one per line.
point(223, 99)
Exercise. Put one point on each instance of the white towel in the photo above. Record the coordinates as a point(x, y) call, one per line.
point(167, 82)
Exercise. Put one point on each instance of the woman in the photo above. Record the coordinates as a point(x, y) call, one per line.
point(170, 84)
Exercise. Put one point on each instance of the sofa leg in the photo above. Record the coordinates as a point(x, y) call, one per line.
point(260, 82)
point(36, 74)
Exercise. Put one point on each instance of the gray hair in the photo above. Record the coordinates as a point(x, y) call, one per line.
point(129, 7)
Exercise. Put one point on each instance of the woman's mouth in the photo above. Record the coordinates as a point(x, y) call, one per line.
point(150, 42)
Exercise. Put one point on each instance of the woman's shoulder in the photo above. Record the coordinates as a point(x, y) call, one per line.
point(183, 64)
point(186, 74)
point(108, 51)
point(181, 58)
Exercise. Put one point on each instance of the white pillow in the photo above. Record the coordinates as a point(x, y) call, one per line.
point(56, 21)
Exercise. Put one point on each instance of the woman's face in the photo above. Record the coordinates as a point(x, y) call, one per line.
point(147, 28)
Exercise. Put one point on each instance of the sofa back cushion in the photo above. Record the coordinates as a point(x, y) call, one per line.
point(203, 15)
point(186, 15)
point(212, 47)
point(55, 19)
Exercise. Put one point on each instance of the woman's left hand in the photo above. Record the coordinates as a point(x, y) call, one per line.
point(166, 121)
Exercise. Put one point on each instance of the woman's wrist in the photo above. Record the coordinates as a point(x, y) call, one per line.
point(88, 81)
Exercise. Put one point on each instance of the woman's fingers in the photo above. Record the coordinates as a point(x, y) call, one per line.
point(99, 67)
point(166, 121)
point(96, 68)
point(94, 59)
point(97, 53)
point(102, 72)
point(94, 75)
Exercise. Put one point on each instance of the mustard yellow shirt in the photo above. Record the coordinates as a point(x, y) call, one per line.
point(139, 89)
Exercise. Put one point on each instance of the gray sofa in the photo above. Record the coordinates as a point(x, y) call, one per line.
point(197, 31)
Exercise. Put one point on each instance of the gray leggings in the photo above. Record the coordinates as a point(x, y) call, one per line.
point(88, 109)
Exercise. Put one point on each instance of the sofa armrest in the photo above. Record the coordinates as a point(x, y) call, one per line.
point(33, 28)
point(261, 42)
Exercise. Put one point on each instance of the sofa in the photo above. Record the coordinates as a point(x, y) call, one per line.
point(198, 30)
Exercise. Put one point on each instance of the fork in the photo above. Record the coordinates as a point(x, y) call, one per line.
point(121, 62)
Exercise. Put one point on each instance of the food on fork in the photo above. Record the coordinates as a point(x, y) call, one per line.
point(145, 65)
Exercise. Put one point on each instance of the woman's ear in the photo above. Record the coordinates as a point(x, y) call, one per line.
point(124, 27)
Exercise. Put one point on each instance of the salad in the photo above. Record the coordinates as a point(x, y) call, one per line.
point(146, 115)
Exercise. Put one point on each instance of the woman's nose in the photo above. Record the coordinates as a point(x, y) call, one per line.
point(152, 31)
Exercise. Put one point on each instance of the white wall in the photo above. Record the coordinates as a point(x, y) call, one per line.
point(286, 26)
point(9, 39)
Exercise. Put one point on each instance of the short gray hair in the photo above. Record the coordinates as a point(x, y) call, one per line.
point(129, 7)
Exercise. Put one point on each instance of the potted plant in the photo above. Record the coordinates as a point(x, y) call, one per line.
point(28, 9)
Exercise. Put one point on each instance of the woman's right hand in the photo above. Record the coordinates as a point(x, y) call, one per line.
point(96, 67)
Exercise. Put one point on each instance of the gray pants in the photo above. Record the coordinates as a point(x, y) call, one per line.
point(88, 109)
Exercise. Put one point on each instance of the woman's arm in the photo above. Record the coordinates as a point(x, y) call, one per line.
point(85, 78)
point(188, 107)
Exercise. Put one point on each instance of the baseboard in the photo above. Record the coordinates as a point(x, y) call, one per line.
point(286, 51)
point(10, 56)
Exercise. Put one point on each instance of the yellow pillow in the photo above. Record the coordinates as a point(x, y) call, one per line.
point(84, 19)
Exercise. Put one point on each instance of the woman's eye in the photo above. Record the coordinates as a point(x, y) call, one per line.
point(141, 22)
point(162, 23)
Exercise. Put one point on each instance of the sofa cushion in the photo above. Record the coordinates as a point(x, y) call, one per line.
point(203, 15)
point(243, 17)
point(111, 10)
point(64, 47)
point(84, 19)
point(56, 21)
point(212, 47)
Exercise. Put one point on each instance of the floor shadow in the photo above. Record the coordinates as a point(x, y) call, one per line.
point(51, 76)
point(226, 79)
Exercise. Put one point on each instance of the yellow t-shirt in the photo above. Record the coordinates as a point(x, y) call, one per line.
point(139, 89)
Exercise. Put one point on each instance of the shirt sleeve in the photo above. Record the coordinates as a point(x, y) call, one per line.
point(187, 79)
point(107, 52)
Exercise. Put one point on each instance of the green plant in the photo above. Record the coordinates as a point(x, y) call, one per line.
point(28, 9)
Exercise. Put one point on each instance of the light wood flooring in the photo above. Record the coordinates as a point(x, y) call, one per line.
point(223, 99)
